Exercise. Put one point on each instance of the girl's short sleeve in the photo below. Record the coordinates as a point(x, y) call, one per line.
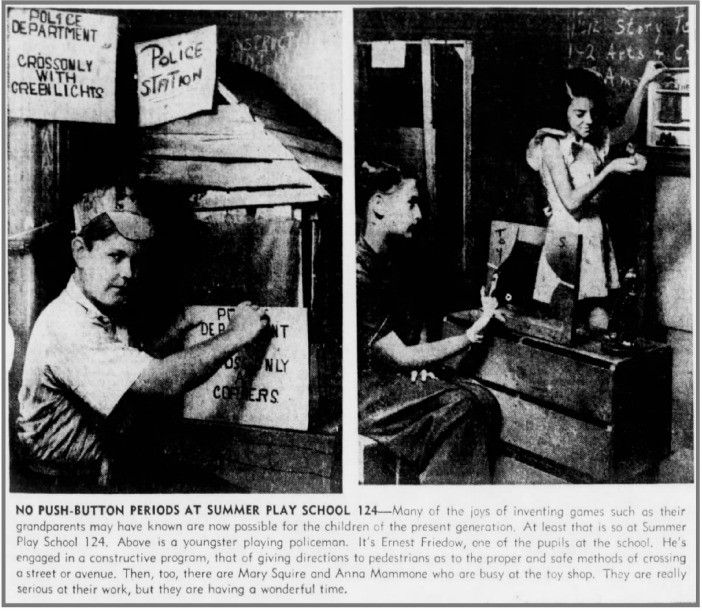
point(534, 152)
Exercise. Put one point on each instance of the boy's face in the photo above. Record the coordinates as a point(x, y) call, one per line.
point(106, 271)
point(400, 209)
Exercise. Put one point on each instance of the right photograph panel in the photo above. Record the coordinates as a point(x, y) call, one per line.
point(524, 266)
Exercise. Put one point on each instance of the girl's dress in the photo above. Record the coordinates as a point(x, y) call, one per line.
point(598, 268)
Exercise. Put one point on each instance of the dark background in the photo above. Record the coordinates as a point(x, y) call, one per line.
point(521, 56)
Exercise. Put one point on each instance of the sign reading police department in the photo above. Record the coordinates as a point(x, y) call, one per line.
point(263, 385)
point(61, 65)
point(176, 75)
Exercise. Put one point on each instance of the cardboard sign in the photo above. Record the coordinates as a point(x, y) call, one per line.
point(534, 273)
point(61, 65)
point(388, 54)
point(176, 75)
point(263, 385)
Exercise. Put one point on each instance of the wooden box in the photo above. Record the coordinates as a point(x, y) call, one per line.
point(572, 412)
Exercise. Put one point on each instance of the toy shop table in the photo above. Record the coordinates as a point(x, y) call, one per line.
point(571, 413)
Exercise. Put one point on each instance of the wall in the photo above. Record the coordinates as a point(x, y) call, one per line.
point(674, 267)
point(301, 51)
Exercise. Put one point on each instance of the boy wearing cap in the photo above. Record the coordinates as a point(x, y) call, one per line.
point(81, 362)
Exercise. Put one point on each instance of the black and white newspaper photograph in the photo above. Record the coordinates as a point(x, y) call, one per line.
point(341, 304)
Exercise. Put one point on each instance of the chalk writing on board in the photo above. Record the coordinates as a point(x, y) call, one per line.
point(616, 43)
point(264, 52)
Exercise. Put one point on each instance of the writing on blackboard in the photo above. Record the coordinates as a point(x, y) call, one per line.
point(617, 43)
point(584, 26)
point(264, 52)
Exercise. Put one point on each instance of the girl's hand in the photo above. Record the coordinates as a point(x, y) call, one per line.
point(625, 165)
point(640, 162)
point(652, 70)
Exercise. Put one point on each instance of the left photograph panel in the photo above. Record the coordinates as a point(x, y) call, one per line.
point(173, 231)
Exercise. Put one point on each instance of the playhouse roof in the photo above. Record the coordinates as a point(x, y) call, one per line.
point(260, 152)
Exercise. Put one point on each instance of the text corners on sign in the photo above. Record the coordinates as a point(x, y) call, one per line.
point(261, 385)
point(61, 65)
point(176, 75)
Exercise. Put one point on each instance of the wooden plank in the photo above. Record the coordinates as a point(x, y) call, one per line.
point(310, 132)
point(240, 199)
point(211, 433)
point(274, 212)
point(285, 459)
point(309, 145)
point(541, 372)
point(226, 94)
point(247, 175)
point(26, 240)
point(21, 295)
point(428, 121)
point(47, 196)
point(585, 447)
point(223, 122)
point(229, 215)
point(22, 144)
point(258, 480)
point(297, 215)
point(314, 163)
point(587, 350)
point(319, 442)
point(468, 245)
point(509, 470)
point(250, 144)
point(261, 459)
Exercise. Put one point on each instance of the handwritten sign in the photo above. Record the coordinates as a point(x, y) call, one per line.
point(263, 386)
point(176, 75)
point(61, 65)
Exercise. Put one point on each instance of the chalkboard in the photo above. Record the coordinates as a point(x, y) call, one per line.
point(617, 43)
point(299, 50)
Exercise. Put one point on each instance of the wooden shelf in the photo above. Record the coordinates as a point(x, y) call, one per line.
point(672, 91)
point(659, 99)
point(682, 125)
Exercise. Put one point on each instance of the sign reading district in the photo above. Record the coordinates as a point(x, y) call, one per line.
point(61, 65)
point(176, 75)
point(265, 385)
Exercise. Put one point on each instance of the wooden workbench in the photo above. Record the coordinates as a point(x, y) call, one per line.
point(572, 413)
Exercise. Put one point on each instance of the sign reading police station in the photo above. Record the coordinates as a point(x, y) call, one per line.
point(176, 75)
point(264, 385)
point(61, 65)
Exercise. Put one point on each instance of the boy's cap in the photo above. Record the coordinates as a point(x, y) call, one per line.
point(120, 205)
